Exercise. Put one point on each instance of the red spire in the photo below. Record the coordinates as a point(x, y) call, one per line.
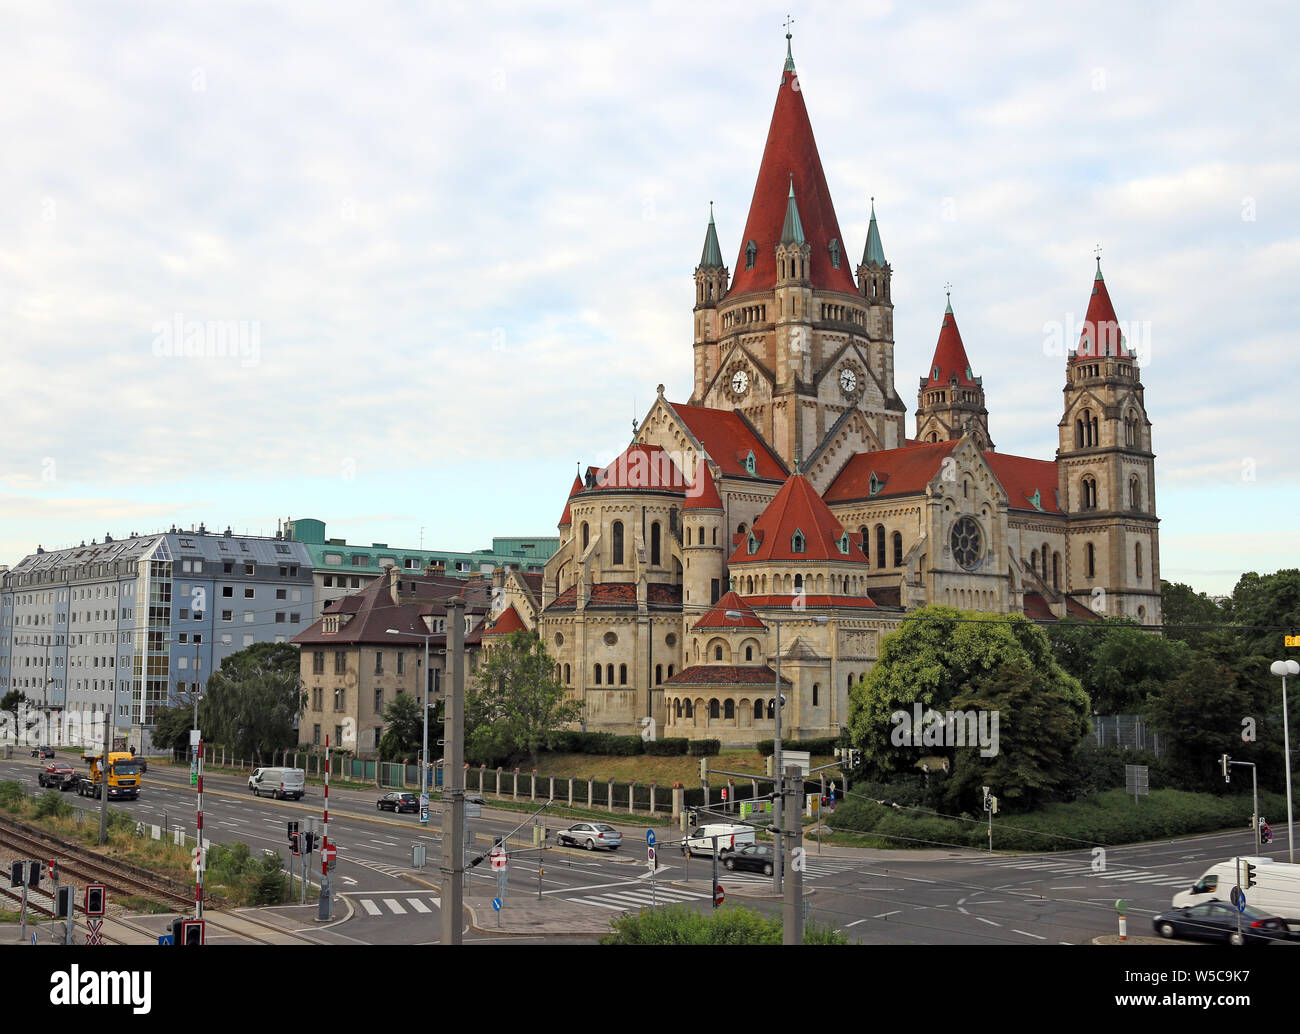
point(703, 495)
point(565, 518)
point(797, 508)
point(791, 151)
point(949, 356)
point(1101, 331)
point(507, 623)
point(717, 615)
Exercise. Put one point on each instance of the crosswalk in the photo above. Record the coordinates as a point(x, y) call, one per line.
point(382, 904)
point(1076, 868)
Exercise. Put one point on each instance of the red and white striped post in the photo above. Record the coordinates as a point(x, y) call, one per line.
point(199, 859)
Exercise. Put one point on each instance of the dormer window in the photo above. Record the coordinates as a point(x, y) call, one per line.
point(751, 254)
point(752, 544)
point(935, 375)
point(797, 542)
point(834, 249)
point(876, 484)
point(844, 543)
point(751, 465)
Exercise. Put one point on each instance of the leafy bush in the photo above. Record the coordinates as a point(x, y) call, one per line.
point(12, 793)
point(817, 748)
point(272, 885)
point(51, 804)
point(734, 925)
point(672, 746)
point(705, 748)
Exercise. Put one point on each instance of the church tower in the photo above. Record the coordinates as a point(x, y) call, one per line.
point(710, 286)
point(950, 401)
point(874, 276)
point(1106, 471)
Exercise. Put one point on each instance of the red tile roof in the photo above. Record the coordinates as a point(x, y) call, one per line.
point(374, 612)
point(898, 472)
point(1075, 609)
point(797, 507)
point(1037, 609)
point(728, 439)
point(565, 518)
point(644, 467)
point(619, 596)
point(717, 616)
point(703, 494)
point(726, 675)
point(1024, 479)
point(508, 623)
point(811, 601)
point(1101, 335)
point(791, 151)
point(949, 357)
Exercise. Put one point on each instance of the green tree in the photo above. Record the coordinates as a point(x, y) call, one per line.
point(516, 705)
point(9, 707)
point(253, 700)
point(403, 728)
point(1182, 608)
point(1268, 607)
point(1201, 712)
point(1117, 663)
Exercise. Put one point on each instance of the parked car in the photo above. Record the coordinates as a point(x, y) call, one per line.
point(590, 835)
point(751, 857)
point(1217, 921)
point(59, 775)
point(399, 801)
point(730, 837)
point(42, 752)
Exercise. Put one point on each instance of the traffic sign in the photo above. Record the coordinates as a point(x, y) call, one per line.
point(718, 895)
point(650, 837)
point(197, 862)
point(93, 934)
point(331, 853)
point(496, 904)
point(166, 939)
point(498, 857)
point(650, 856)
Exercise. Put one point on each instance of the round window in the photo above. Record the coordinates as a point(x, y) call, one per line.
point(610, 639)
point(670, 639)
point(559, 638)
point(967, 543)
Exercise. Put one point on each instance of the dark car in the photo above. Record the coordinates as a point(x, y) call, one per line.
point(1217, 921)
point(58, 775)
point(42, 752)
point(399, 801)
point(750, 857)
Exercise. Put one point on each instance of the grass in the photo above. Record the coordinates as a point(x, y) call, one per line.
point(643, 768)
point(146, 906)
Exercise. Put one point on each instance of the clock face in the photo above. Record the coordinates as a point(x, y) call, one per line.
point(848, 381)
point(740, 382)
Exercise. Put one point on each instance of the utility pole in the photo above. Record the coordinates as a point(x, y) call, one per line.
point(103, 779)
point(453, 816)
point(792, 918)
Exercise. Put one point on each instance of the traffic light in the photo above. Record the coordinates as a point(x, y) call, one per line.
point(692, 818)
point(54, 872)
point(704, 770)
point(308, 842)
point(1224, 759)
point(295, 844)
point(95, 900)
point(16, 874)
point(63, 903)
point(34, 875)
point(176, 930)
point(1250, 875)
point(192, 933)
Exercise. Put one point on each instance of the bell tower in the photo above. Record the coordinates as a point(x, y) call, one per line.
point(950, 401)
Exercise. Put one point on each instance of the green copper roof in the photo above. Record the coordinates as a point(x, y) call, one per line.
point(874, 253)
point(792, 231)
point(789, 57)
point(1099, 276)
point(711, 258)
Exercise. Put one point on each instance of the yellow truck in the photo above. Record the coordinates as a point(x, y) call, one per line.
point(123, 776)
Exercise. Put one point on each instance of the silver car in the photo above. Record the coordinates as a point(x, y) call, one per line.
point(590, 835)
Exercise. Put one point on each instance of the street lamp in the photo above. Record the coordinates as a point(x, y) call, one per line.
point(778, 809)
point(424, 756)
point(1282, 669)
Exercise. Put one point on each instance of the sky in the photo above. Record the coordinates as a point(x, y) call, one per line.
point(438, 258)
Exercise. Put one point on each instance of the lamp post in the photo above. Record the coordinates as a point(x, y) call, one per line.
point(778, 804)
point(1282, 669)
point(424, 754)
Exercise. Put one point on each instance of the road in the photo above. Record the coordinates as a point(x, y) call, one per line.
point(878, 897)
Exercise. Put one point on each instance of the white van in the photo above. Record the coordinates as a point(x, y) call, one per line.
point(729, 838)
point(1276, 890)
point(278, 782)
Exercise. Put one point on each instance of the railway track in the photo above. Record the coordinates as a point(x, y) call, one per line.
point(79, 863)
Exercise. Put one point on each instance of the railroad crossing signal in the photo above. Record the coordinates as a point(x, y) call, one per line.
point(54, 871)
point(63, 903)
point(293, 828)
point(96, 895)
point(34, 874)
point(331, 852)
point(16, 874)
point(94, 931)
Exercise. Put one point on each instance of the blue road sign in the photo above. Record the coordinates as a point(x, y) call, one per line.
point(165, 939)
point(424, 814)
point(650, 837)
point(1241, 902)
point(496, 904)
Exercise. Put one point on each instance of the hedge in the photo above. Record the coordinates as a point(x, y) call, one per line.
point(705, 748)
point(817, 748)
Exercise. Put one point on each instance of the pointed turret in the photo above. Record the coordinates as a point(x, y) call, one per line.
point(792, 228)
point(565, 519)
point(711, 257)
point(874, 253)
point(950, 401)
point(874, 274)
point(710, 278)
point(1101, 334)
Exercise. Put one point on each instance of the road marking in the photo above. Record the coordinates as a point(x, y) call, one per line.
point(370, 906)
point(886, 915)
point(1033, 935)
point(916, 879)
point(602, 904)
point(989, 921)
point(418, 905)
point(395, 906)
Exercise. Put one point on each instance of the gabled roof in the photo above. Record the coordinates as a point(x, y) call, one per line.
point(1101, 334)
point(717, 616)
point(374, 612)
point(508, 623)
point(1029, 484)
point(565, 518)
point(790, 157)
point(728, 439)
point(644, 468)
point(949, 356)
point(895, 472)
point(726, 675)
point(703, 494)
point(797, 508)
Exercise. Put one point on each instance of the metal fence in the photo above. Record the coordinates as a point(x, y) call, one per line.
point(1128, 732)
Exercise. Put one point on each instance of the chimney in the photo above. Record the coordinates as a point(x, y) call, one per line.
point(394, 584)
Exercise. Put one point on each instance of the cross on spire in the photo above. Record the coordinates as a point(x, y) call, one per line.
point(788, 22)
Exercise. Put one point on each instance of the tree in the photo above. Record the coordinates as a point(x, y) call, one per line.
point(1182, 607)
point(941, 658)
point(10, 704)
point(1117, 663)
point(253, 701)
point(172, 727)
point(403, 728)
point(1201, 712)
point(516, 705)
point(1264, 603)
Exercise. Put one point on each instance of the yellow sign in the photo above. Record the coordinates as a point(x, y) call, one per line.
point(1293, 640)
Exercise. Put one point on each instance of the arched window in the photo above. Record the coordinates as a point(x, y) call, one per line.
point(749, 653)
point(617, 534)
point(622, 674)
point(690, 709)
point(714, 710)
point(715, 536)
point(670, 671)
point(586, 535)
point(1033, 559)
point(1130, 428)
point(729, 710)
point(797, 542)
point(659, 676)
point(609, 670)
point(1056, 570)
point(654, 544)
point(567, 674)
point(771, 708)
point(1090, 560)
point(1137, 557)
point(1089, 487)
point(880, 545)
point(898, 549)
point(1078, 433)
point(1043, 569)
point(688, 534)
point(598, 674)
point(717, 652)
point(679, 708)
point(758, 709)
point(866, 543)
point(1134, 493)
point(798, 583)
point(816, 691)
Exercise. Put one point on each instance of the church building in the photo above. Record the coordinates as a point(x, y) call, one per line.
point(784, 499)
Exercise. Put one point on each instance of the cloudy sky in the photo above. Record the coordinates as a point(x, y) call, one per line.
point(461, 243)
